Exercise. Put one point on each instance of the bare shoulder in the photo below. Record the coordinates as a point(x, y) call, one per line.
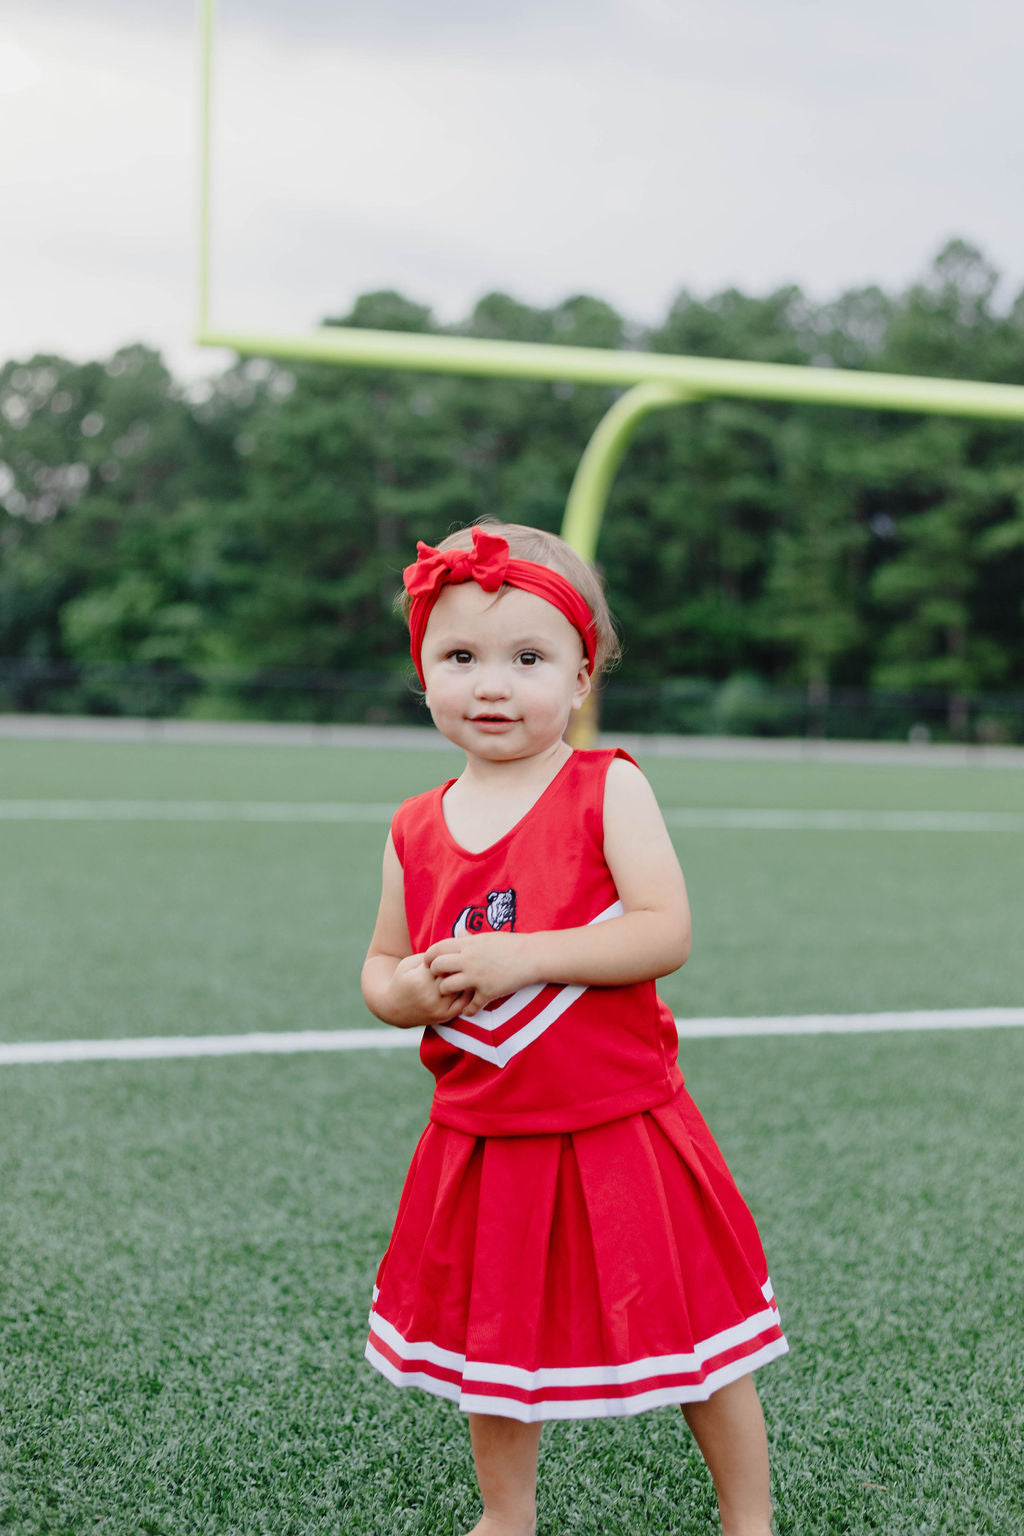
point(637, 845)
point(626, 788)
point(632, 815)
point(621, 770)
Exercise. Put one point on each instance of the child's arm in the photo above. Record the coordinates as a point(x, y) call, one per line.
point(397, 985)
point(650, 939)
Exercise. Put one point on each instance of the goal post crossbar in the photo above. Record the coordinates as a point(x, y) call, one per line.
point(652, 380)
point(692, 376)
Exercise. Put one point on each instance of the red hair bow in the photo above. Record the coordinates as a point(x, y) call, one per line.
point(486, 564)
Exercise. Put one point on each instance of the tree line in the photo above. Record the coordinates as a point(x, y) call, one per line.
point(234, 548)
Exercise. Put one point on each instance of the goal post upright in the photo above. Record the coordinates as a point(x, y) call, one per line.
point(205, 17)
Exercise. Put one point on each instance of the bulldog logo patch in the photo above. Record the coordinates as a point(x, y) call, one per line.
point(500, 912)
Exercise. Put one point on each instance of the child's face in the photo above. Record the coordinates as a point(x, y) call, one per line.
point(503, 673)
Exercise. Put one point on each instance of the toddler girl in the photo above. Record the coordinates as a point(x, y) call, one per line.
point(569, 1242)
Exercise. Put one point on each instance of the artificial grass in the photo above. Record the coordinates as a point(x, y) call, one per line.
point(840, 922)
point(195, 770)
point(166, 770)
point(190, 1248)
point(139, 928)
point(129, 929)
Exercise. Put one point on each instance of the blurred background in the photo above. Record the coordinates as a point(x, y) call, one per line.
point(184, 534)
point(190, 1239)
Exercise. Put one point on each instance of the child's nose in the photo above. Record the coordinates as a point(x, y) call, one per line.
point(492, 683)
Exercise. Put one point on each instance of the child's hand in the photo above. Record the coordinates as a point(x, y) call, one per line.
point(482, 966)
point(414, 996)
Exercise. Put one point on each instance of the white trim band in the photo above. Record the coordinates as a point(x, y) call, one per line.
point(614, 1405)
point(492, 1372)
point(610, 1407)
point(501, 1055)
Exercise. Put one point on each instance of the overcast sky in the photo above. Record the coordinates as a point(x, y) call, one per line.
point(627, 148)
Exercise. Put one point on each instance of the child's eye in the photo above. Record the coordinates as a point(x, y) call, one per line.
point(461, 657)
point(529, 658)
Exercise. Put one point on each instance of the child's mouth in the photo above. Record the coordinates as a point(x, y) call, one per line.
point(495, 721)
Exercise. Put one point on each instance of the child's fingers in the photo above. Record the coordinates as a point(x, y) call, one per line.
point(441, 947)
point(445, 964)
point(457, 982)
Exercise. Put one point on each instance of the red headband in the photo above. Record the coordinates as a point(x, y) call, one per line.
point(488, 564)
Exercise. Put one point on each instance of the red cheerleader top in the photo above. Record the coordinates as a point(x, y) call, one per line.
point(550, 1058)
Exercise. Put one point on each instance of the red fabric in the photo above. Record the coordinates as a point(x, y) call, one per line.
point(489, 565)
point(607, 1051)
point(590, 1254)
point(600, 1273)
point(485, 564)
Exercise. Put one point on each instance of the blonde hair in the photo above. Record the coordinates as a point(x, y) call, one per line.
point(547, 549)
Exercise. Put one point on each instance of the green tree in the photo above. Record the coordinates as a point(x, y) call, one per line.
point(261, 524)
point(112, 487)
point(927, 585)
point(811, 605)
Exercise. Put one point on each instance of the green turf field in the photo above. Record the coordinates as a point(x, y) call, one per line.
point(187, 1247)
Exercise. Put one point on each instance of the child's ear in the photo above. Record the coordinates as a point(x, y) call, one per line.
point(583, 686)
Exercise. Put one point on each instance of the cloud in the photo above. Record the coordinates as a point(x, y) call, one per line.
point(623, 147)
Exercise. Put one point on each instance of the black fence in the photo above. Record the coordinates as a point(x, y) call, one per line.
point(743, 705)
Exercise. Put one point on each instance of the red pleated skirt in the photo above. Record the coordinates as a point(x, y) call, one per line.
point(580, 1275)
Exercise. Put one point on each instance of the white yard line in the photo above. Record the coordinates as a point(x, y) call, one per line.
point(195, 810)
point(852, 1023)
point(169, 1047)
point(783, 820)
point(721, 818)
